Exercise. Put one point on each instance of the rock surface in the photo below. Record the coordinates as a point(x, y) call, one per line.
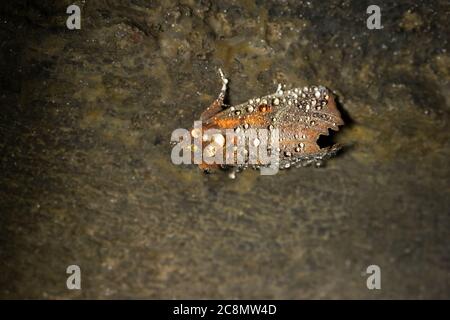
point(86, 175)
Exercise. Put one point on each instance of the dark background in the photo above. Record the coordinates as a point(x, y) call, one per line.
point(86, 176)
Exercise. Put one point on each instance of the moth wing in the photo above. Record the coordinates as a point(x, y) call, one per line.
point(303, 122)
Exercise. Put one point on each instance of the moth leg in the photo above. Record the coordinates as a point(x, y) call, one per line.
point(217, 104)
point(279, 87)
point(232, 173)
point(224, 86)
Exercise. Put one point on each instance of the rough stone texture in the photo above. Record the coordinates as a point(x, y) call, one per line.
point(86, 176)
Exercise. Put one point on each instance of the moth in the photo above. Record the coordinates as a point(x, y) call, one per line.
point(299, 115)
